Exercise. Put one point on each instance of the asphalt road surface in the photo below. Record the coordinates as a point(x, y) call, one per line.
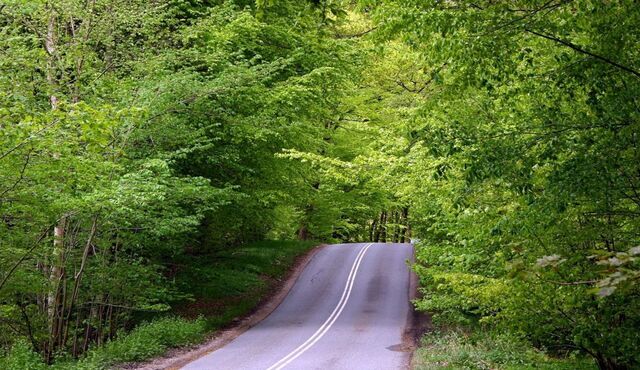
point(347, 310)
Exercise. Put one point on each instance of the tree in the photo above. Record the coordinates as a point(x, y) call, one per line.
point(525, 159)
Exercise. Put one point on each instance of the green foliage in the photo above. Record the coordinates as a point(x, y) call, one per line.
point(136, 135)
point(145, 341)
point(21, 356)
point(233, 282)
point(525, 167)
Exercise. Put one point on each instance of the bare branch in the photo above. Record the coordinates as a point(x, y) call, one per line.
point(583, 51)
point(20, 178)
point(24, 256)
point(24, 142)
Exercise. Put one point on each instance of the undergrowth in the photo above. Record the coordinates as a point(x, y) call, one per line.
point(221, 286)
point(145, 341)
point(481, 350)
point(231, 282)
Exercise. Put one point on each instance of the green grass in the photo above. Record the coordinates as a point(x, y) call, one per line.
point(230, 283)
point(455, 349)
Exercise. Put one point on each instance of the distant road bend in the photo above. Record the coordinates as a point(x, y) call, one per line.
point(347, 310)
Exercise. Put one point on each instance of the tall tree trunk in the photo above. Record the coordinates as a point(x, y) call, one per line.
point(50, 48)
point(303, 233)
point(407, 230)
point(78, 277)
point(405, 224)
point(56, 276)
point(56, 271)
point(372, 230)
point(376, 237)
point(396, 226)
point(383, 227)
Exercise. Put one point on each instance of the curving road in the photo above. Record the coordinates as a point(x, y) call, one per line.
point(347, 310)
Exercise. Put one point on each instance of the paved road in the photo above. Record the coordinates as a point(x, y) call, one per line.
point(347, 310)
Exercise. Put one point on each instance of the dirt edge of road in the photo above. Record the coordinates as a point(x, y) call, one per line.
point(418, 322)
point(176, 358)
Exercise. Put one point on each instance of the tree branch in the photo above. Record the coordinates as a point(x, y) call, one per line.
point(24, 256)
point(583, 51)
point(18, 146)
point(20, 177)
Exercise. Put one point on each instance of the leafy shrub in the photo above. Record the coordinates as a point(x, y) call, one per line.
point(22, 357)
point(145, 341)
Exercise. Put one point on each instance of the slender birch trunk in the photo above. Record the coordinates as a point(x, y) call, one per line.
point(56, 272)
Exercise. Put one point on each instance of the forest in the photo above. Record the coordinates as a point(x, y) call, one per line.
point(502, 137)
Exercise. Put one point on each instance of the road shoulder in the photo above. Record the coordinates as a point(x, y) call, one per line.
point(418, 322)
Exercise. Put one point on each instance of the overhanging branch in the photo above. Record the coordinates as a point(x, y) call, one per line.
point(583, 51)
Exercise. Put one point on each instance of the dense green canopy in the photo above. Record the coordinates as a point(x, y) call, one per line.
point(501, 135)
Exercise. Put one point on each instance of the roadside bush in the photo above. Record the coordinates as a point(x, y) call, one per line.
point(528, 303)
point(145, 341)
point(22, 357)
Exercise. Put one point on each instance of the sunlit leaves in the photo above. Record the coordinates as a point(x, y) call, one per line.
point(527, 163)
